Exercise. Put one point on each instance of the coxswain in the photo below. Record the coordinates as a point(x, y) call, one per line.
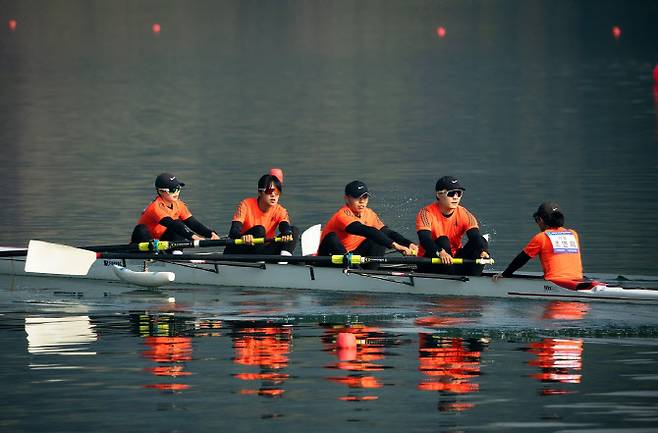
point(167, 218)
point(558, 248)
point(441, 227)
point(357, 229)
point(260, 217)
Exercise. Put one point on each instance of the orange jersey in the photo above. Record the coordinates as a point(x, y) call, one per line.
point(559, 253)
point(430, 218)
point(344, 217)
point(159, 209)
point(250, 215)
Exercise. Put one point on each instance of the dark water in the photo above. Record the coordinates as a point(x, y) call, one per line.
point(262, 360)
point(524, 101)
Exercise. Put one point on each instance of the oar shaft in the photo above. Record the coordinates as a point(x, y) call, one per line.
point(214, 257)
point(173, 245)
point(337, 259)
point(153, 246)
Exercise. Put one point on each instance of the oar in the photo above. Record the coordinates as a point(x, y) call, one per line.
point(154, 246)
point(49, 258)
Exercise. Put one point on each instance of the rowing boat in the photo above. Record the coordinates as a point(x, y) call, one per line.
point(167, 270)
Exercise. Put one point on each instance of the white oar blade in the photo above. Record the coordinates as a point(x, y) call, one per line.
point(311, 240)
point(49, 258)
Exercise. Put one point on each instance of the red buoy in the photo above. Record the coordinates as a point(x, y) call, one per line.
point(441, 31)
point(278, 173)
point(155, 28)
point(11, 24)
point(616, 32)
point(346, 340)
point(655, 75)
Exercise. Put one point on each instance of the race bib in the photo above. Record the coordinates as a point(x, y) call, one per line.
point(563, 242)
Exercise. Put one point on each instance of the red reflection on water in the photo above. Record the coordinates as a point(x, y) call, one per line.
point(562, 310)
point(266, 347)
point(358, 359)
point(172, 351)
point(450, 312)
point(449, 365)
point(560, 361)
point(168, 386)
point(439, 322)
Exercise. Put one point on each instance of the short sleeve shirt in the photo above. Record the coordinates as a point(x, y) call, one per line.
point(159, 209)
point(559, 253)
point(249, 214)
point(453, 227)
point(344, 217)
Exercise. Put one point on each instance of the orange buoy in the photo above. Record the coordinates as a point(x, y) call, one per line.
point(616, 32)
point(441, 31)
point(155, 28)
point(346, 340)
point(11, 24)
point(278, 173)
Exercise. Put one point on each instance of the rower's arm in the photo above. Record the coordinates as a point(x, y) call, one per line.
point(197, 227)
point(397, 237)
point(177, 226)
point(476, 237)
point(435, 247)
point(356, 228)
point(284, 228)
point(516, 264)
point(235, 231)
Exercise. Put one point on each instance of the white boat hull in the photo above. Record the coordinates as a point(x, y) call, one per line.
point(304, 277)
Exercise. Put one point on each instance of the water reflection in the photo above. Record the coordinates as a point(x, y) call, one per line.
point(267, 347)
point(449, 366)
point(451, 312)
point(561, 310)
point(560, 361)
point(166, 347)
point(69, 335)
point(361, 356)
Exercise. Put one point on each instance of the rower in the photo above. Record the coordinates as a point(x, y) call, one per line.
point(441, 226)
point(167, 217)
point(357, 229)
point(259, 217)
point(558, 248)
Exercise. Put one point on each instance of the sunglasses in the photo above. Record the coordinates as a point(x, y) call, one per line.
point(453, 192)
point(270, 190)
point(170, 190)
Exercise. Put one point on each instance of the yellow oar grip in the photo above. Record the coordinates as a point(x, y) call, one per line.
point(148, 246)
point(340, 259)
point(459, 261)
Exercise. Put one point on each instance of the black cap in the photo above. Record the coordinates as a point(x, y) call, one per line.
point(356, 189)
point(546, 209)
point(448, 183)
point(167, 180)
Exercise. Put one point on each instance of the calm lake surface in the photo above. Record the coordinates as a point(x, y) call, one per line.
point(523, 101)
point(265, 359)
